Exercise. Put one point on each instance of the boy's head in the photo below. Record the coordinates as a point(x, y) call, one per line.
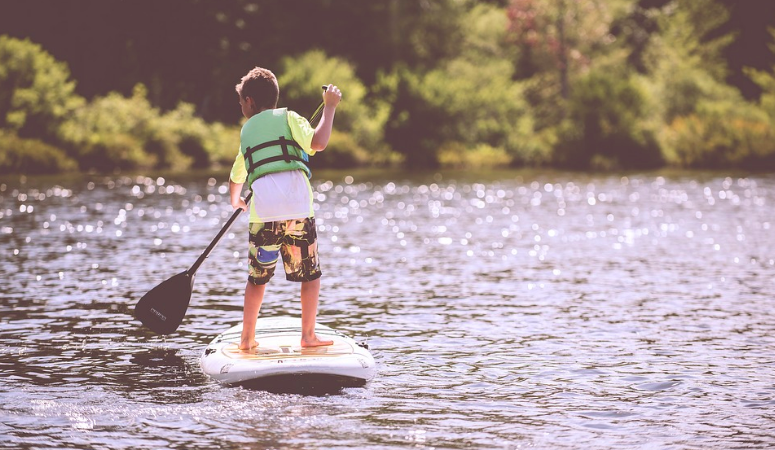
point(258, 91)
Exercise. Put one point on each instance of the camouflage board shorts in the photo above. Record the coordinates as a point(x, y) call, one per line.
point(293, 240)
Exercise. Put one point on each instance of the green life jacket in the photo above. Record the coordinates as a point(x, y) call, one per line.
point(268, 146)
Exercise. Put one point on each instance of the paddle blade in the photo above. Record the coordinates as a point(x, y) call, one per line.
point(163, 307)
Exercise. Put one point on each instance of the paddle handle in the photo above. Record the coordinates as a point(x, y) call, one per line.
point(218, 237)
point(320, 108)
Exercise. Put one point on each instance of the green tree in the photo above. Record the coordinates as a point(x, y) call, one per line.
point(608, 125)
point(702, 121)
point(555, 42)
point(468, 110)
point(561, 37)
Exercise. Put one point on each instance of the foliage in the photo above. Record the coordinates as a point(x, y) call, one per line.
point(704, 122)
point(722, 134)
point(607, 123)
point(749, 27)
point(495, 115)
point(128, 133)
point(579, 83)
point(200, 143)
point(411, 129)
point(557, 43)
point(112, 131)
point(482, 156)
point(31, 156)
point(342, 152)
point(765, 80)
point(467, 104)
point(721, 129)
point(561, 37)
point(684, 38)
point(36, 93)
point(360, 121)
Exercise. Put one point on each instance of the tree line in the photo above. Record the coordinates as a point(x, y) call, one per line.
point(105, 85)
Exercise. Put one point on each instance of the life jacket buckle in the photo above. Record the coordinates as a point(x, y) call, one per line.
point(284, 146)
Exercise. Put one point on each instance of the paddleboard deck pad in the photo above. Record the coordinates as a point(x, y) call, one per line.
point(279, 363)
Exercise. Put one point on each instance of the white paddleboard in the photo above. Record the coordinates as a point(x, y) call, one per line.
point(280, 363)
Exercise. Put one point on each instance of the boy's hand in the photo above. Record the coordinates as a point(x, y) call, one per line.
point(239, 204)
point(235, 197)
point(332, 96)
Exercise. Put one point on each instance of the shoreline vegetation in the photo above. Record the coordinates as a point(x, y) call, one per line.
point(614, 86)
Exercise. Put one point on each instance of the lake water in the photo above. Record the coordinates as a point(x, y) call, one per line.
point(505, 311)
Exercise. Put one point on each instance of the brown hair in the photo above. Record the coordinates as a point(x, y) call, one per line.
point(260, 85)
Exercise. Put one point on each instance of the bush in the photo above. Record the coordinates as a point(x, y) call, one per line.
point(720, 135)
point(342, 152)
point(222, 143)
point(766, 81)
point(197, 143)
point(31, 156)
point(451, 105)
point(708, 124)
point(109, 152)
point(608, 124)
point(413, 128)
point(188, 137)
point(111, 132)
point(128, 132)
point(455, 155)
point(164, 148)
point(36, 93)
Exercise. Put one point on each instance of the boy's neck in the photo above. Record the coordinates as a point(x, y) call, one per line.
point(260, 111)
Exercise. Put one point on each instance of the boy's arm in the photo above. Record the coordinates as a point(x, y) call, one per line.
point(235, 191)
point(331, 97)
point(239, 173)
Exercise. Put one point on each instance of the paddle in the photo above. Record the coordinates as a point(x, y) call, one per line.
point(162, 309)
point(320, 108)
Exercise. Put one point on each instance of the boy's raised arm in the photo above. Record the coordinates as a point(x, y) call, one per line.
point(331, 98)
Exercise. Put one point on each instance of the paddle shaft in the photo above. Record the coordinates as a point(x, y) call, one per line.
point(236, 214)
point(218, 237)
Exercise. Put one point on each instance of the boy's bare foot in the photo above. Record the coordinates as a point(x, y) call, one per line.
point(314, 342)
point(247, 346)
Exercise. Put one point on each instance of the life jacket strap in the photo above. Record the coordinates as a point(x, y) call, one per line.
point(286, 156)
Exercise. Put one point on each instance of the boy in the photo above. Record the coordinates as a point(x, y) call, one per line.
point(275, 145)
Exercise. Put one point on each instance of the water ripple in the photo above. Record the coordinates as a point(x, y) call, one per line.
point(505, 310)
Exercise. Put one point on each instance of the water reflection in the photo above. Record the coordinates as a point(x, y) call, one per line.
point(551, 310)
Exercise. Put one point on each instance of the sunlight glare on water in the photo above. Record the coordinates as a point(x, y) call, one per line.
point(505, 310)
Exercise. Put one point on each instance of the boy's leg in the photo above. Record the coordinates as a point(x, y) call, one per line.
point(263, 251)
point(300, 258)
point(310, 291)
point(254, 295)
